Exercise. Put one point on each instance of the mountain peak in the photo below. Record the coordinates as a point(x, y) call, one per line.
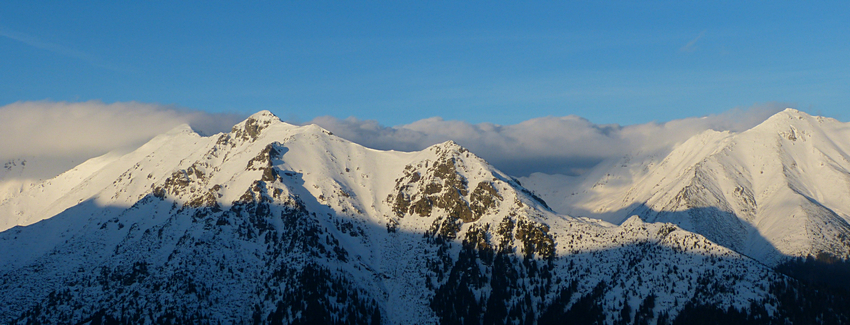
point(316, 129)
point(250, 128)
point(263, 116)
point(791, 113)
point(180, 129)
point(788, 120)
point(449, 145)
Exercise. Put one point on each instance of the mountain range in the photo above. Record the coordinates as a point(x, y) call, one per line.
point(777, 190)
point(286, 224)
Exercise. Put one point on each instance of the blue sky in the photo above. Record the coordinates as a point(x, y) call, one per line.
point(399, 62)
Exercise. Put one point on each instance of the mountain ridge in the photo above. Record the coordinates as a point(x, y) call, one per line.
point(277, 223)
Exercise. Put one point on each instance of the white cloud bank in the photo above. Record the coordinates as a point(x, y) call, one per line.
point(552, 145)
point(59, 135)
point(56, 136)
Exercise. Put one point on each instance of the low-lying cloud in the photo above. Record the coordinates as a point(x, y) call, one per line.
point(59, 135)
point(553, 145)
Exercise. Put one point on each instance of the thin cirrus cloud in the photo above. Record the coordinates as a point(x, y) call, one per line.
point(60, 49)
point(691, 46)
point(553, 145)
point(56, 136)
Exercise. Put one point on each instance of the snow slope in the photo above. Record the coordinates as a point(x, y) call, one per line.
point(779, 189)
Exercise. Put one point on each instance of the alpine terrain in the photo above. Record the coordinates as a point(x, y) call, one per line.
point(778, 190)
point(274, 223)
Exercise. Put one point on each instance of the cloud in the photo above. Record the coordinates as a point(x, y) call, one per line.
point(56, 136)
point(554, 145)
point(691, 46)
point(65, 134)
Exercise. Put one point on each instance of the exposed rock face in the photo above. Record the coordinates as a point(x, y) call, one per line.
point(437, 184)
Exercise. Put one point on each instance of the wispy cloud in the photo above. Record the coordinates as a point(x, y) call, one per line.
point(60, 50)
point(553, 145)
point(691, 46)
point(68, 133)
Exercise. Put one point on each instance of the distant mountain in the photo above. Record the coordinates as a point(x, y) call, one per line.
point(779, 189)
point(19, 174)
point(283, 224)
point(12, 179)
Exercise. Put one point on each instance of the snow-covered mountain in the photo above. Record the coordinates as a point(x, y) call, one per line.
point(17, 175)
point(285, 224)
point(779, 189)
point(11, 180)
